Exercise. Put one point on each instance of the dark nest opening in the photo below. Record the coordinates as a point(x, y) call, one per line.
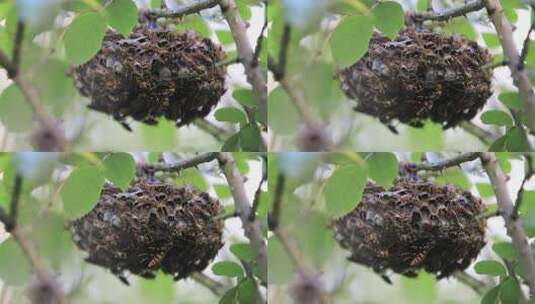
point(149, 227)
point(153, 74)
point(414, 225)
point(420, 75)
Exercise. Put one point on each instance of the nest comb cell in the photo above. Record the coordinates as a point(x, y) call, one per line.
point(154, 74)
point(420, 75)
point(416, 225)
point(149, 227)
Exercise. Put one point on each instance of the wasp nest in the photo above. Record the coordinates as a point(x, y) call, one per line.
point(418, 76)
point(153, 74)
point(151, 226)
point(414, 225)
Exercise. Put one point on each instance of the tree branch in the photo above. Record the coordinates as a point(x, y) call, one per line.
point(527, 175)
point(478, 286)
point(513, 224)
point(217, 132)
point(525, 48)
point(510, 51)
point(274, 215)
point(483, 135)
point(214, 286)
point(258, 192)
point(243, 207)
point(183, 10)
point(19, 35)
point(246, 53)
point(53, 133)
point(446, 163)
point(183, 164)
point(454, 12)
point(10, 224)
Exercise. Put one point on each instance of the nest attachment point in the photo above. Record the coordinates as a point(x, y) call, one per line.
point(414, 225)
point(149, 227)
point(153, 74)
point(420, 75)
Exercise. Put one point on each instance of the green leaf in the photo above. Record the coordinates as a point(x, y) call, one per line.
point(192, 176)
point(497, 117)
point(122, 15)
point(245, 97)
point(232, 143)
point(222, 191)
point(485, 190)
point(509, 291)
point(517, 140)
point(15, 113)
point(196, 23)
point(383, 168)
point(250, 138)
point(120, 169)
point(350, 39)
point(491, 297)
point(491, 40)
point(14, 267)
point(511, 100)
point(225, 37)
point(247, 291)
point(490, 267)
point(243, 251)
point(454, 176)
point(230, 114)
point(389, 18)
point(282, 114)
point(83, 37)
point(159, 290)
point(499, 144)
point(280, 269)
point(505, 250)
point(228, 269)
point(230, 297)
point(81, 191)
point(344, 189)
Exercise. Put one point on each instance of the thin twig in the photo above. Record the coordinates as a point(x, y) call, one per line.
point(14, 205)
point(283, 52)
point(478, 286)
point(259, 43)
point(274, 215)
point(243, 206)
point(486, 137)
point(258, 192)
point(19, 35)
point(214, 286)
point(520, 76)
point(183, 10)
point(454, 12)
point(513, 224)
point(446, 163)
point(527, 175)
point(525, 48)
point(217, 132)
point(183, 164)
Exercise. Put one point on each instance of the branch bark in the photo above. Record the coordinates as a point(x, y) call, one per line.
point(454, 12)
point(513, 224)
point(214, 286)
point(182, 11)
point(243, 207)
point(183, 164)
point(246, 53)
point(451, 162)
point(510, 51)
